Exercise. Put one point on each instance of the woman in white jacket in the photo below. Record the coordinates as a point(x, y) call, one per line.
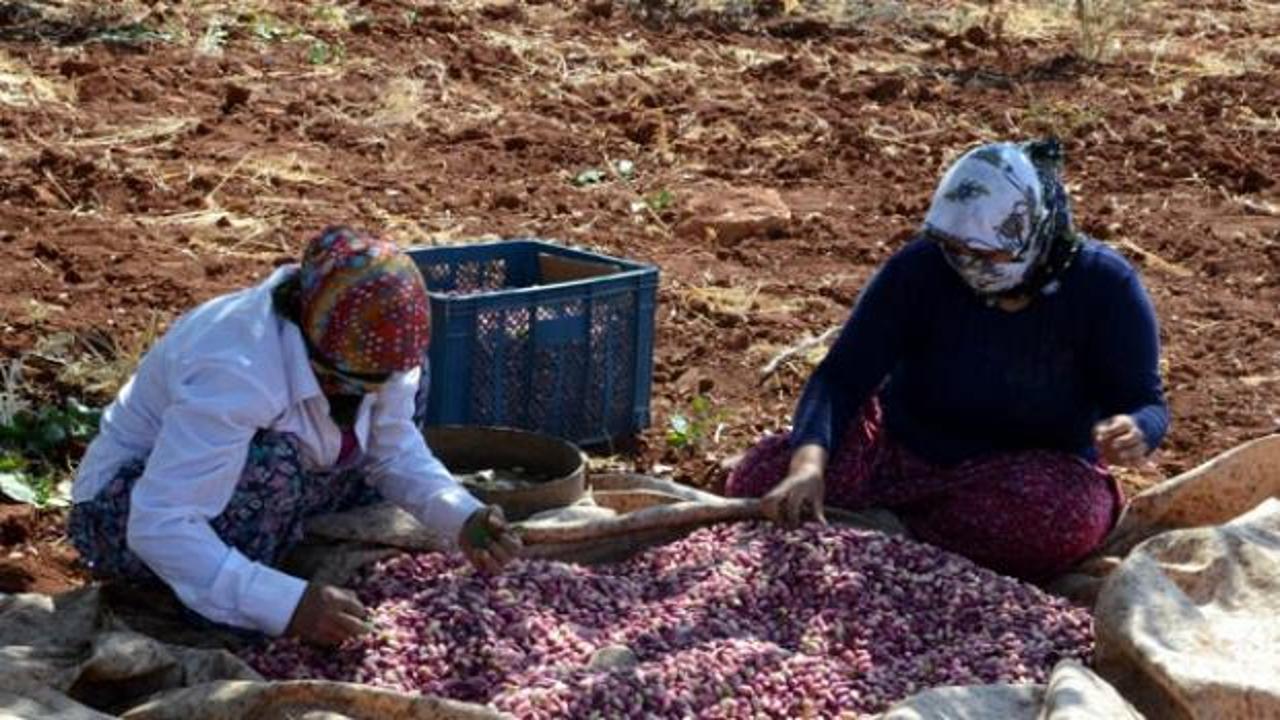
point(262, 408)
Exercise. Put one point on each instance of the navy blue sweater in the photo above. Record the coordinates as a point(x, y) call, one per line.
point(965, 379)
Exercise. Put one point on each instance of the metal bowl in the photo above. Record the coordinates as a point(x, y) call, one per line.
point(558, 466)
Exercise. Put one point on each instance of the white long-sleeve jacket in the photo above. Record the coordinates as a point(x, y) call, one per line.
point(225, 370)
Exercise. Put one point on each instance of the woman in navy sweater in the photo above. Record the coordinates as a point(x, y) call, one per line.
point(989, 373)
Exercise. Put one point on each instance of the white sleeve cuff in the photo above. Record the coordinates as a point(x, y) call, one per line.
point(447, 511)
point(268, 597)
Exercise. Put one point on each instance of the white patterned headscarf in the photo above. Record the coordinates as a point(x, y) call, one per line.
point(996, 214)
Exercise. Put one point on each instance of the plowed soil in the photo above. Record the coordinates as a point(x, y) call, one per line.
point(156, 155)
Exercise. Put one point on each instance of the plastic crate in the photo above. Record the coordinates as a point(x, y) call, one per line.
point(532, 335)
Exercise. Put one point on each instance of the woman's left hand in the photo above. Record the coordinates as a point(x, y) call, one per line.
point(488, 541)
point(1120, 441)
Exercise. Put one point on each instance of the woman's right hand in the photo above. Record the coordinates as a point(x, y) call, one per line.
point(801, 492)
point(487, 541)
point(328, 616)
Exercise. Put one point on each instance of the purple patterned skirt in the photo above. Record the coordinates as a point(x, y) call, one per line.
point(1030, 514)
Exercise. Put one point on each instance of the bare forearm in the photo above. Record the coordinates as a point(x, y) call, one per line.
point(802, 491)
point(809, 459)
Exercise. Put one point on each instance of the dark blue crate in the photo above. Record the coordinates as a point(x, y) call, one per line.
point(572, 359)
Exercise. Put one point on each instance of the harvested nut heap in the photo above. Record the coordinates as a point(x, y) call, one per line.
point(733, 621)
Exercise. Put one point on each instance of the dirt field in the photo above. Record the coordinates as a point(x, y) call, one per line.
point(153, 155)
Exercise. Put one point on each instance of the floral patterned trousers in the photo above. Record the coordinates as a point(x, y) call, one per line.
point(264, 519)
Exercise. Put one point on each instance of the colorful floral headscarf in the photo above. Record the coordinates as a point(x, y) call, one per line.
point(1003, 219)
point(363, 309)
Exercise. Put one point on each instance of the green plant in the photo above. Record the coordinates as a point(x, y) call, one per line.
point(589, 177)
point(51, 432)
point(660, 200)
point(214, 37)
point(333, 15)
point(35, 446)
point(268, 27)
point(18, 483)
point(693, 430)
point(134, 34)
point(323, 53)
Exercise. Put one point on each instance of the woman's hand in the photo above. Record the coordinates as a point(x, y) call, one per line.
point(801, 492)
point(328, 616)
point(1120, 441)
point(487, 541)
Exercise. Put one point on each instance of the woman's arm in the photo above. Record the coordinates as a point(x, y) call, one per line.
point(407, 473)
point(190, 477)
point(867, 348)
point(801, 490)
point(405, 470)
point(1127, 370)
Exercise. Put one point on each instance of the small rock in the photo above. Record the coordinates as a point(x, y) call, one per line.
point(643, 131)
point(738, 342)
point(202, 183)
point(597, 9)
point(770, 8)
point(694, 382)
point(44, 197)
point(215, 269)
point(71, 68)
point(613, 657)
point(234, 96)
point(977, 36)
point(504, 10)
point(1253, 180)
point(731, 214)
point(94, 87)
point(45, 251)
point(887, 90)
point(507, 200)
point(799, 28)
point(144, 94)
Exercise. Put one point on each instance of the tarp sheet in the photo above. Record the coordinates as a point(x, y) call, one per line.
point(1187, 616)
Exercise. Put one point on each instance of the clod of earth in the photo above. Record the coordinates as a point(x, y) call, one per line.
point(733, 621)
point(730, 214)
